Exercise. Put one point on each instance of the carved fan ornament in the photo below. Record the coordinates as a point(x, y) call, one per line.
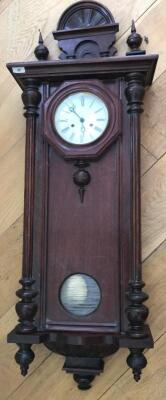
point(86, 14)
point(85, 30)
point(82, 290)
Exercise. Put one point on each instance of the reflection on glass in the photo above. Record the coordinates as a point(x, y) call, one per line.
point(80, 294)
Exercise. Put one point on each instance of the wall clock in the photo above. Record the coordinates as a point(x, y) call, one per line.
point(81, 288)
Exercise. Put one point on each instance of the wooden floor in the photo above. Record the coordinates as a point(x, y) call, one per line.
point(19, 24)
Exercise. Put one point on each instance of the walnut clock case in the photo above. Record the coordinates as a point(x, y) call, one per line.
point(82, 290)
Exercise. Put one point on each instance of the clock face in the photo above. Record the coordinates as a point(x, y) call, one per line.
point(81, 118)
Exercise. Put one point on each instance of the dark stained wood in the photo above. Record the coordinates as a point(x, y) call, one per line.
point(93, 246)
point(102, 68)
point(24, 357)
point(137, 361)
point(31, 98)
point(27, 308)
point(99, 235)
point(92, 42)
point(86, 30)
point(85, 14)
point(41, 51)
point(134, 42)
point(84, 370)
point(136, 311)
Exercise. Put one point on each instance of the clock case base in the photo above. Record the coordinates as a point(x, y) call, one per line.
point(76, 347)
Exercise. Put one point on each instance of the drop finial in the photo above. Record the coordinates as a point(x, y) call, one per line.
point(134, 41)
point(41, 51)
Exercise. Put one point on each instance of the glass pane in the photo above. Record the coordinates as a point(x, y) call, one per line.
point(80, 294)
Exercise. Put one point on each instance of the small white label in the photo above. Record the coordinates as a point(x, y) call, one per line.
point(18, 70)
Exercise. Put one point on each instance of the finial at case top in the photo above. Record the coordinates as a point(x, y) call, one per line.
point(41, 51)
point(133, 28)
point(40, 37)
point(134, 41)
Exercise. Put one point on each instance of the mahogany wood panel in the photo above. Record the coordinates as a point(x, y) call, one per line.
point(94, 238)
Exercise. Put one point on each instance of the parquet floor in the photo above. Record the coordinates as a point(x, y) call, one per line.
point(19, 24)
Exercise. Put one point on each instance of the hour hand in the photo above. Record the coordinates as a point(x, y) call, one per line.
point(72, 108)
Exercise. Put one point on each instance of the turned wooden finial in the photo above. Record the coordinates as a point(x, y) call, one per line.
point(133, 28)
point(134, 41)
point(41, 51)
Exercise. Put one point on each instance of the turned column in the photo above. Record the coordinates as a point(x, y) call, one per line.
point(26, 308)
point(31, 98)
point(136, 311)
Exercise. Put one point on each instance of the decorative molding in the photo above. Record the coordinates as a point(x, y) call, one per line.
point(134, 94)
point(31, 97)
point(89, 13)
point(86, 30)
point(26, 308)
point(106, 68)
point(43, 222)
point(84, 369)
point(136, 312)
point(135, 91)
point(92, 42)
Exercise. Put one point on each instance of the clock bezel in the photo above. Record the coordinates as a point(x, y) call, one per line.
point(96, 147)
point(68, 99)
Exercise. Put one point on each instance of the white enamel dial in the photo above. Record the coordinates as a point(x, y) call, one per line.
point(81, 118)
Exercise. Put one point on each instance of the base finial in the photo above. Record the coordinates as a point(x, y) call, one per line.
point(83, 381)
point(136, 361)
point(24, 357)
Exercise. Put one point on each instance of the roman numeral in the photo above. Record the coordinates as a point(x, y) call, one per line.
point(98, 129)
point(65, 129)
point(91, 104)
point(99, 110)
point(100, 119)
point(82, 101)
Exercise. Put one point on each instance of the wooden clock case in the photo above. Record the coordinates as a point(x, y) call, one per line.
point(82, 203)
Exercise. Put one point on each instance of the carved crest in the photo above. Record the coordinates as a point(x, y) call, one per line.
point(86, 30)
